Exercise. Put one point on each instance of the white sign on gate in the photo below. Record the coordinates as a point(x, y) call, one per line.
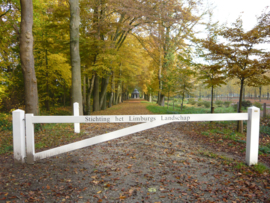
point(148, 121)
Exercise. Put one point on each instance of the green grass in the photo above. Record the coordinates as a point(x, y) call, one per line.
point(208, 154)
point(265, 129)
point(114, 108)
point(186, 109)
point(55, 134)
point(237, 165)
point(164, 110)
point(261, 168)
point(205, 133)
point(240, 166)
point(46, 136)
point(264, 149)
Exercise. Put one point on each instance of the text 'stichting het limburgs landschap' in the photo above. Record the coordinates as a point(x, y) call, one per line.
point(136, 118)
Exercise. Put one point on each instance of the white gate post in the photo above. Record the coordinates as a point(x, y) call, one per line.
point(76, 113)
point(30, 139)
point(18, 128)
point(253, 130)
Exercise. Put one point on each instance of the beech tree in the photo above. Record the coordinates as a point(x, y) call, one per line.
point(242, 59)
point(169, 29)
point(27, 57)
point(75, 53)
point(212, 76)
point(186, 82)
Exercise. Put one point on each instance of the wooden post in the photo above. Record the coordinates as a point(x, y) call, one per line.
point(18, 124)
point(252, 140)
point(76, 113)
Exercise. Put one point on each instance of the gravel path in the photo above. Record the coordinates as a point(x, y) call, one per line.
point(156, 165)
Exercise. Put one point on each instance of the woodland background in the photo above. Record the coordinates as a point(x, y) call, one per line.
point(163, 48)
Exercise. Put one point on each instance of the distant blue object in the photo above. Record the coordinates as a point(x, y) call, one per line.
point(135, 94)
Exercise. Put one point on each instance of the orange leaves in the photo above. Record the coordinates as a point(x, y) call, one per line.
point(122, 197)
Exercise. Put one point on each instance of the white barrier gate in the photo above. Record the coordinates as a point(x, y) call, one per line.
point(23, 130)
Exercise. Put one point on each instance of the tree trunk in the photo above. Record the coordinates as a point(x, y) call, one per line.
point(75, 54)
point(260, 89)
point(112, 90)
point(104, 104)
point(122, 97)
point(212, 99)
point(162, 98)
point(168, 99)
point(64, 96)
point(104, 85)
point(118, 92)
point(239, 127)
point(183, 97)
point(84, 92)
point(47, 100)
point(89, 93)
point(27, 58)
point(116, 96)
point(96, 94)
point(244, 94)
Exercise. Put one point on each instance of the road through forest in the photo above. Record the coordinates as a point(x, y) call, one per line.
point(157, 165)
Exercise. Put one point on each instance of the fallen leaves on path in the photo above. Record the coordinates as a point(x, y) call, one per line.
point(157, 165)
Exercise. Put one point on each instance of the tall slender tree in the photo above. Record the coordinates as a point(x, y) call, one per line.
point(75, 53)
point(27, 57)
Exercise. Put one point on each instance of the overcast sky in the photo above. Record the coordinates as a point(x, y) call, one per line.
point(229, 10)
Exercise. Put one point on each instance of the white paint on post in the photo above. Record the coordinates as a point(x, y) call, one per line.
point(18, 125)
point(253, 131)
point(99, 139)
point(30, 139)
point(76, 113)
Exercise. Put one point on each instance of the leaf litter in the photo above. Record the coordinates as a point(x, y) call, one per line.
point(157, 165)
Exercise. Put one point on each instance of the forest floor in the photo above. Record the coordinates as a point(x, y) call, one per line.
point(163, 164)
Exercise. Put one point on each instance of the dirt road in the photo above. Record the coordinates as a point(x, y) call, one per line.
point(156, 165)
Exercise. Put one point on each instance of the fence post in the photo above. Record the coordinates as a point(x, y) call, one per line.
point(253, 130)
point(76, 113)
point(264, 110)
point(18, 128)
point(30, 139)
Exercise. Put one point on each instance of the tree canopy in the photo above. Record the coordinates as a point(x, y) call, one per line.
point(101, 50)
